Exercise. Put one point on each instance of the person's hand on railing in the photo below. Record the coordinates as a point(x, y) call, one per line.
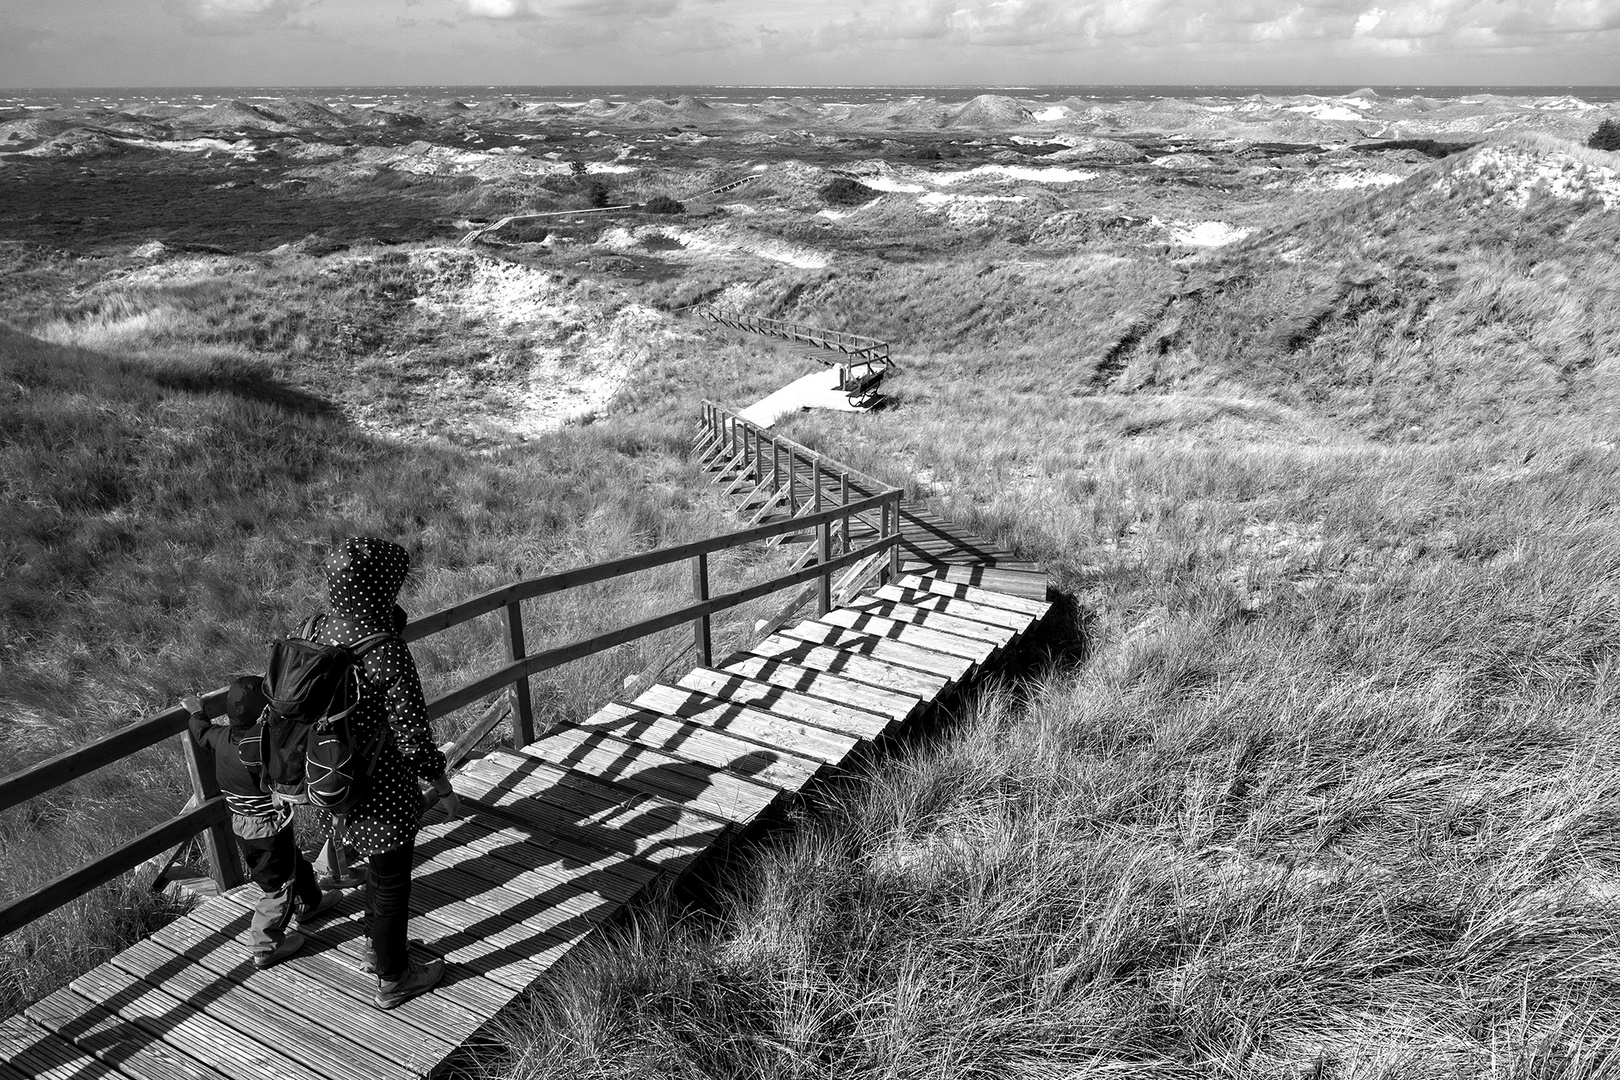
point(192, 704)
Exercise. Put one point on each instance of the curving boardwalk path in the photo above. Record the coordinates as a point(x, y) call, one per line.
point(560, 835)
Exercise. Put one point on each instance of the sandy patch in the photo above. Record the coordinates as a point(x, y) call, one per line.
point(1030, 173)
point(1514, 174)
point(889, 183)
point(1324, 111)
point(573, 354)
point(1202, 233)
point(967, 211)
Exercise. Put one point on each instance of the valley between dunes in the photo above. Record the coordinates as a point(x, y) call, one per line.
point(1316, 438)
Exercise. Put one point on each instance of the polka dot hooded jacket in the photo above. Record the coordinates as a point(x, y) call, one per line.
point(364, 577)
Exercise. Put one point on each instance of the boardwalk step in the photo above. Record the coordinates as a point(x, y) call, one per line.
point(717, 792)
point(823, 712)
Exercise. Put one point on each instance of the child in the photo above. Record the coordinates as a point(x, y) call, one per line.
point(264, 833)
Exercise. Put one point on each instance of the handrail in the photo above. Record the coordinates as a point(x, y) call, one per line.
point(589, 575)
point(75, 883)
point(857, 344)
point(209, 816)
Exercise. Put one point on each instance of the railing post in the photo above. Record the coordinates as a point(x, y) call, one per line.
point(894, 552)
point(219, 843)
point(843, 498)
point(700, 625)
point(776, 467)
point(793, 487)
point(522, 708)
point(824, 555)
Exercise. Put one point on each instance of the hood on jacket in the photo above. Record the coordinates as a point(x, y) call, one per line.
point(363, 577)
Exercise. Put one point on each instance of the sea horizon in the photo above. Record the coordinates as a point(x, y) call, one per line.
point(743, 94)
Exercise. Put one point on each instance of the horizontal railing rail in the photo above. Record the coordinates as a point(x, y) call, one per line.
point(207, 815)
point(858, 345)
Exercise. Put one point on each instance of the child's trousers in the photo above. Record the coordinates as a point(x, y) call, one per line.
point(286, 884)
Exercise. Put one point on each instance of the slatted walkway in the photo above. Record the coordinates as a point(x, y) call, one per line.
point(560, 835)
point(930, 544)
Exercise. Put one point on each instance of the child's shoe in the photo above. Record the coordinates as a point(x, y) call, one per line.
point(418, 979)
point(328, 901)
point(289, 947)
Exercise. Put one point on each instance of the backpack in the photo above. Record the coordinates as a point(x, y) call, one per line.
point(311, 752)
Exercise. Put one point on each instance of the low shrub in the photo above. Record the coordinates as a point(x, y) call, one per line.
point(1606, 137)
point(845, 191)
point(663, 204)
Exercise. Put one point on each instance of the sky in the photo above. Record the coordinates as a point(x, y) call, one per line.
point(59, 43)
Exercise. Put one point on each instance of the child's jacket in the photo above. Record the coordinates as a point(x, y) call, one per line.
point(253, 814)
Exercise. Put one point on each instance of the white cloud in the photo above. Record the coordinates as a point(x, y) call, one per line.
point(498, 9)
point(1369, 21)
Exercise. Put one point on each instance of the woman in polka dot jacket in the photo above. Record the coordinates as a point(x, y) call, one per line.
point(364, 576)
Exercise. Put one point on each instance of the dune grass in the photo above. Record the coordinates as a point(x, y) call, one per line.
point(1331, 792)
point(170, 493)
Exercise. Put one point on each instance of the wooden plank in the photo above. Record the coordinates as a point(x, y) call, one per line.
point(165, 1016)
point(117, 1041)
point(296, 995)
point(1035, 609)
point(436, 1015)
point(806, 739)
point(974, 648)
point(951, 668)
point(998, 637)
point(860, 723)
point(304, 994)
point(587, 794)
point(36, 1053)
point(818, 682)
point(693, 740)
point(716, 792)
point(533, 873)
point(250, 1014)
point(1018, 583)
point(619, 875)
point(923, 600)
point(658, 831)
point(478, 951)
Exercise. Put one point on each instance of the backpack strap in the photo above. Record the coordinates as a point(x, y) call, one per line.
point(306, 629)
point(371, 641)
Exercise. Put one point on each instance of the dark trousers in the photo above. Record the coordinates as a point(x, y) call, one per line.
point(388, 900)
point(286, 884)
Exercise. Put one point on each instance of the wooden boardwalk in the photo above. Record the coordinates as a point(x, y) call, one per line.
point(559, 835)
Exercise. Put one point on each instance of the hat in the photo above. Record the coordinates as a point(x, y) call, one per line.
point(245, 700)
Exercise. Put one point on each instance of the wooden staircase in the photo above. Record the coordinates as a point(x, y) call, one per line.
point(569, 826)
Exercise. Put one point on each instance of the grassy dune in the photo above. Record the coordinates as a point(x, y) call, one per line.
point(1331, 795)
point(170, 493)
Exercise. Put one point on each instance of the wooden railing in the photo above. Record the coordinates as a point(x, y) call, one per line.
point(207, 815)
point(854, 345)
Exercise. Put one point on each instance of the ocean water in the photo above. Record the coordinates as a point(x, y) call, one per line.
point(108, 97)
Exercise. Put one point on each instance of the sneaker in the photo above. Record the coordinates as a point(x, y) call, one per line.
point(289, 947)
point(418, 979)
point(368, 963)
point(328, 901)
point(349, 880)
